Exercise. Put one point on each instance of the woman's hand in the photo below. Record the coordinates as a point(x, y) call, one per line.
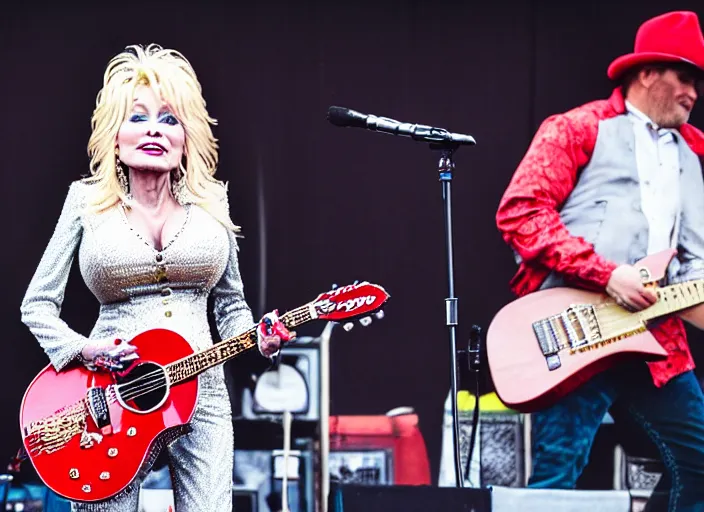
point(110, 354)
point(271, 332)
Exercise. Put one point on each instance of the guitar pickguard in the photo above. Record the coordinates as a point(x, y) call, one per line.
point(50, 434)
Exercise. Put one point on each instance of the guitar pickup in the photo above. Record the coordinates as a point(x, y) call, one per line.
point(98, 408)
point(547, 339)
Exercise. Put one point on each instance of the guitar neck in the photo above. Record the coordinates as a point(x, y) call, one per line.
point(194, 364)
point(675, 297)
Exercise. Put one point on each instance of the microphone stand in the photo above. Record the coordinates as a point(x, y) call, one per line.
point(447, 143)
point(445, 168)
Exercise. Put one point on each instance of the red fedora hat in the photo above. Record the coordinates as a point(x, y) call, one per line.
point(671, 37)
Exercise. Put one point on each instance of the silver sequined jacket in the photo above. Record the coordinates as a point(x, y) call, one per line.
point(138, 287)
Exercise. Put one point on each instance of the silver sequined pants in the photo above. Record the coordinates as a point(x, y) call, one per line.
point(200, 462)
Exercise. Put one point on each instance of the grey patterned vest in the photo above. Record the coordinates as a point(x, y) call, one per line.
point(605, 205)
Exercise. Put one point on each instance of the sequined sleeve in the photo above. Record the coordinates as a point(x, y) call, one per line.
point(528, 215)
point(41, 306)
point(232, 314)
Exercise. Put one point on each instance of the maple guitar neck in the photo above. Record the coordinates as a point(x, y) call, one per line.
point(675, 297)
point(194, 364)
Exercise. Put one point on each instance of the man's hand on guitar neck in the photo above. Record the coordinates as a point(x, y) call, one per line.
point(626, 287)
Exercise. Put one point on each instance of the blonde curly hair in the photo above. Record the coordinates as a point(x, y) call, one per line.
point(173, 79)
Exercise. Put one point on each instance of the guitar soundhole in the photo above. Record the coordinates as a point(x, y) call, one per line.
point(144, 388)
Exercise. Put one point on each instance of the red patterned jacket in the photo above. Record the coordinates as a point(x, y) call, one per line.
point(528, 217)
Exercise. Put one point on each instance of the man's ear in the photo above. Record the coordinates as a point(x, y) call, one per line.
point(648, 76)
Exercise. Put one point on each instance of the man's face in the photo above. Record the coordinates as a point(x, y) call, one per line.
point(672, 95)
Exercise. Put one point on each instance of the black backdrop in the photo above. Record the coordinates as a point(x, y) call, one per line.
point(318, 204)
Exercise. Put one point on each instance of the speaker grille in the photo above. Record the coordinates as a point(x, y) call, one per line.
point(502, 448)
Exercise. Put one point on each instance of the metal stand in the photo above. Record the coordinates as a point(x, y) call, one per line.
point(324, 404)
point(474, 363)
point(446, 167)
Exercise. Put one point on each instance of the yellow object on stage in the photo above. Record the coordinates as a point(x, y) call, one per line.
point(488, 403)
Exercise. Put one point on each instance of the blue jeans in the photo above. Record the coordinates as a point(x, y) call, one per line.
point(672, 417)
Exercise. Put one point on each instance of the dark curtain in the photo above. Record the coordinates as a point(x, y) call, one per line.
point(329, 205)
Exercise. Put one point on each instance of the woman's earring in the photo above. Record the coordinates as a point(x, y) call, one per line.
point(178, 183)
point(120, 171)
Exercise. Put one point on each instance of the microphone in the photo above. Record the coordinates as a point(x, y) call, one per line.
point(474, 348)
point(345, 117)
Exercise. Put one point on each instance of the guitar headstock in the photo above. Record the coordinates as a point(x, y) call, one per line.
point(357, 300)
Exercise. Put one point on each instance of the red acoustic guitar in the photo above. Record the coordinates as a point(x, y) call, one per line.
point(545, 344)
point(89, 434)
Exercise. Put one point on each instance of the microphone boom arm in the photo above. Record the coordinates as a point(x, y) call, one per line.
point(344, 117)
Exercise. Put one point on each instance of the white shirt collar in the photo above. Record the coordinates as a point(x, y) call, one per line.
point(640, 116)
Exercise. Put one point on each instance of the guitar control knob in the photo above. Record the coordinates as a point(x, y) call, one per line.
point(86, 488)
point(112, 452)
point(73, 474)
point(105, 475)
point(131, 432)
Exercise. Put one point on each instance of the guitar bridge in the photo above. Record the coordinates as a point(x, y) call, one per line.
point(573, 328)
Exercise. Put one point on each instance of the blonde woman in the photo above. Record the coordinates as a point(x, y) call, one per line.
point(154, 239)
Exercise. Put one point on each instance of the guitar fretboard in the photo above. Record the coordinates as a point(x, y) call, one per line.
point(675, 297)
point(192, 365)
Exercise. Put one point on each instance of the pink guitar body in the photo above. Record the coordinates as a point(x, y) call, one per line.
point(521, 371)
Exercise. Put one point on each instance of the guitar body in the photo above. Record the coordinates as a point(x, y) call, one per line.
point(518, 367)
point(520, 370)
point(109, 466)
point(90, 434)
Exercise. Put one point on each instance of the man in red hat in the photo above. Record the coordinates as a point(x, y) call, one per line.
point(601, 187)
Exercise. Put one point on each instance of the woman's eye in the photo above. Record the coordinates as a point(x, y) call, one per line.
point(136, 118)
point(169, 119)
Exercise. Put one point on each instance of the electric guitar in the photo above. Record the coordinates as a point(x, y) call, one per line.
point(542, 346)
point(89, 433)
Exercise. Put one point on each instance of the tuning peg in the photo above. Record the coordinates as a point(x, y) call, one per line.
point(379, 314)
point(365, 321)
point(348, 326)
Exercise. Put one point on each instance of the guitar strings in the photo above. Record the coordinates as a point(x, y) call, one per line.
point(615, 321)
point(144, 388)
point(145, 383)
point(157, 373)
point(157, 379)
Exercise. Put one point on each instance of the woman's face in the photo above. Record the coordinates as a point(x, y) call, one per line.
point(151, 138)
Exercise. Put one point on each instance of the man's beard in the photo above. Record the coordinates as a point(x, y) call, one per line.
point(666, 107)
